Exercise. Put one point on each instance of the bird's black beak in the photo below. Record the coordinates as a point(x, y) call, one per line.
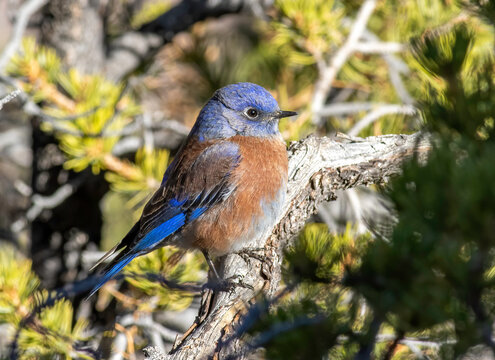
point(283, 114)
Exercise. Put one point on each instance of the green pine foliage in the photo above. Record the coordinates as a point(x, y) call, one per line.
point(317, 309)
point(148, 170)
point(18, 284)
point(41, 332)
point(319, 256)
point(87, 112)
point(57, 336)
point(306, 30)
point(175, 266)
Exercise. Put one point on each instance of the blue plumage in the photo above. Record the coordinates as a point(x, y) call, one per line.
point(200, 182)
point(242, 95)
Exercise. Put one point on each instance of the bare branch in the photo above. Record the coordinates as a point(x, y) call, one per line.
point(167, 134)
point(147, 125)
point(396, 68)
point(23, 16)
point(317, 168)
point(40, 203)
point(378, 113)
point(146, 321)
point(328, 73)
point(336, 109)
point(9, 97)
point(391, 59)
point(154, 353)
point(377, 47)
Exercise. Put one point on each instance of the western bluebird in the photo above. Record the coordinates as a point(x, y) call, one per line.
point(225, 186)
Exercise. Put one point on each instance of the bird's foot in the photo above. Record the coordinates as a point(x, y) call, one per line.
point(259, 254)
point(230, 284)
point(255, 253)
point(236, 281)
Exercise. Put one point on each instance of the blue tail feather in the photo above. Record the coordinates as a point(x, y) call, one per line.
point(143, 246)
point(112, 272)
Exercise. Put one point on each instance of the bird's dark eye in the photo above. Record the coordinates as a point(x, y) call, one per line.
point(251, 112)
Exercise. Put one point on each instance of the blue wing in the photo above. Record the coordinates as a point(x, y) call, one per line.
point(191, 185)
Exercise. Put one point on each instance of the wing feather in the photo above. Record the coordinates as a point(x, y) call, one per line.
point(192, 186)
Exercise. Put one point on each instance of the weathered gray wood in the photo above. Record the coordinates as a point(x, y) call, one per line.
point(317, 168)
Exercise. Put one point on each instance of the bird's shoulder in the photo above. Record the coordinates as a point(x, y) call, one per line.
point(201, 164)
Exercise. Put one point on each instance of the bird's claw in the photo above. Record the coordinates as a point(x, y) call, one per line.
point(248, 253)
point(230, 284)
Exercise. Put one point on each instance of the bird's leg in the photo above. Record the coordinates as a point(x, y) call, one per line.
point(211, 265)
point(204, 310)
point(224, 284)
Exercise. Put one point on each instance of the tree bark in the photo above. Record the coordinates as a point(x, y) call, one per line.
point(317, 168)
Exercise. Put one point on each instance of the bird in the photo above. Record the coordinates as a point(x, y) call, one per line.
point(226, 184)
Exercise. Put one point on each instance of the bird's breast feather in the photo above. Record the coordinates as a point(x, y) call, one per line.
point(260, 181)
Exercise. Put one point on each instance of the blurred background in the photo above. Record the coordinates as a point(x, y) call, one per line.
point(104, 91)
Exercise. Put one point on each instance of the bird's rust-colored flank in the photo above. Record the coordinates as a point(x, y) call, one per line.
point(259, 178)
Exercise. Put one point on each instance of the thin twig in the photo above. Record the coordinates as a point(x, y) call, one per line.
point(23, 16)
point(31, 108)
point(147, 321)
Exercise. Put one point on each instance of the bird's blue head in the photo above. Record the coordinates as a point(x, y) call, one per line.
point(239, 109)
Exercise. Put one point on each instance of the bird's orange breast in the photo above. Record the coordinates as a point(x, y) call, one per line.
point(260, 180)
